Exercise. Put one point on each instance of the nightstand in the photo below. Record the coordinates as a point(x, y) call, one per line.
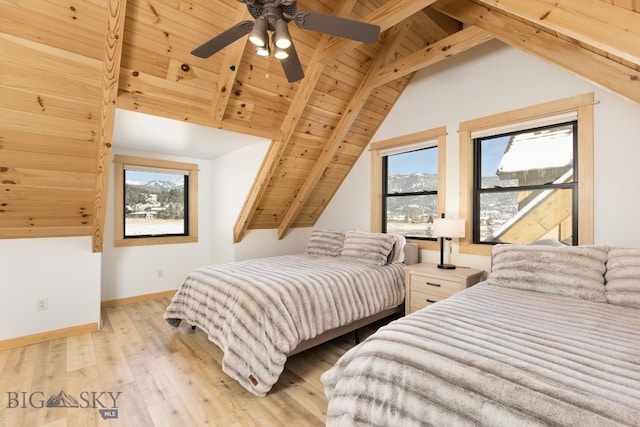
point(426, 284)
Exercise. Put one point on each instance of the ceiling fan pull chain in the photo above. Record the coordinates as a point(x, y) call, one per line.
point(266, 74)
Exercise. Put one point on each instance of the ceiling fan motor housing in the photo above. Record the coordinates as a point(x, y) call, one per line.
point(271, 10)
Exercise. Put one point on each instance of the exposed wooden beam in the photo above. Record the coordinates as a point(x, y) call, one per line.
point(229, 69)
point(346, 121)
point(111, 65)
point(144, 104)
point(458, 42)
point(386, 17)
point(441, 23)
point(256, 129)
point(278, 146)
point(597, 68)
point(596, 23)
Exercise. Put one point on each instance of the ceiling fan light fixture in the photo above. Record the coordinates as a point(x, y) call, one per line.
point(282, 38)
point(258, 35)
point(262, 51)
point(270, 25)
point(281, 53)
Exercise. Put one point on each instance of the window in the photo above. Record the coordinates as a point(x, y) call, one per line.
point(527, 174)
point(524, 184)
point(155, 201)
point(408, 185)
point(410, 192)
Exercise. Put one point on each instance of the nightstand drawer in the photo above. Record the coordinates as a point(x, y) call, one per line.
point(434, 285)
point(420, 300)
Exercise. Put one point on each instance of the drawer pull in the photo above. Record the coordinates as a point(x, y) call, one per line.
point(433, 284)
point(430, 301)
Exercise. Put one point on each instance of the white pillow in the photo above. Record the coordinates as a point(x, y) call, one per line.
point(397, 252)
point(574, 271)
point(367, 248)
point(325, 243)
point(623, 277)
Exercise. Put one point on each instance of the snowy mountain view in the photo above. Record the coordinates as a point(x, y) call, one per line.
point(154, 206)
point(413, 215)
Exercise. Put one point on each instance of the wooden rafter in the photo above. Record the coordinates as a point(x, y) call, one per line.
point(385, 17)
point(347, 119)
point(111, 67)
point(145, 104)
point(235, 125)
point(581, 20)
point(599, 69)
point(441, 24)
point(229, 69)
point(456, 43)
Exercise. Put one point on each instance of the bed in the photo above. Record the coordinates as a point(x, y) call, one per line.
point(552, 337)
point(263, 310)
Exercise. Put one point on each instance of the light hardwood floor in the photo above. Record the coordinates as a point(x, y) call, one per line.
point(164, 377)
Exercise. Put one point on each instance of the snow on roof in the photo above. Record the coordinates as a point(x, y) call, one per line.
point(550, 148)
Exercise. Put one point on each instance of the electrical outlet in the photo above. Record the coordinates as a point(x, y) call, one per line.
point(160, 273)
point(43, 304)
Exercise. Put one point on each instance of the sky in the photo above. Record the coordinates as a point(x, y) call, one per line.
point(426, 161)
point(142, 177)
point(423, 161)
point(492, 152)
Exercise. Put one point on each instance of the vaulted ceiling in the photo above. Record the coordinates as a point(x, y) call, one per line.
point(66, 65)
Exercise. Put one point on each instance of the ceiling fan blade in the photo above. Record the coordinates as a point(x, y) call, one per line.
point(336, 26)
point(291, 65)
point(223, 39)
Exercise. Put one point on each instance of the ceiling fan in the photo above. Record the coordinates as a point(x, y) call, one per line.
point(273, 16)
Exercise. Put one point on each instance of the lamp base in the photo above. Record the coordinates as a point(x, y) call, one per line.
point(447, 266)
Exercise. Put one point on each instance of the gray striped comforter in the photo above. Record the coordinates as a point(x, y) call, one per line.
point(258, 310)
point(494, 356)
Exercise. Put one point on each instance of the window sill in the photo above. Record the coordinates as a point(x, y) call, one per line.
point(146, 241)
point(475, 249)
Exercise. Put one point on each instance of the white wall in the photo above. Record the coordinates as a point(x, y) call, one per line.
point(232, 177)
point(62, 270)
point(139, 270)
point(495, 78)
point(349, 209)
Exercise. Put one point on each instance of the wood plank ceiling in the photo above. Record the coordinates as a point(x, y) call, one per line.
point(67, 64)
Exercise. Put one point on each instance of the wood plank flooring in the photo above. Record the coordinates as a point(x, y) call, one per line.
point(156, 375)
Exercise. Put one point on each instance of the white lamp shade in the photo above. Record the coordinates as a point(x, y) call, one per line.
point(448, 227)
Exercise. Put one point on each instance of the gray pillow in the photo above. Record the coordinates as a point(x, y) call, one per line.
point(623, 277)
point(573, 271)
point(325, 243)
point(367, 248)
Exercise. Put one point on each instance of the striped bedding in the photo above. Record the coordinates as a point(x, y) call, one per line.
point(259, 310)
point(493, 355)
